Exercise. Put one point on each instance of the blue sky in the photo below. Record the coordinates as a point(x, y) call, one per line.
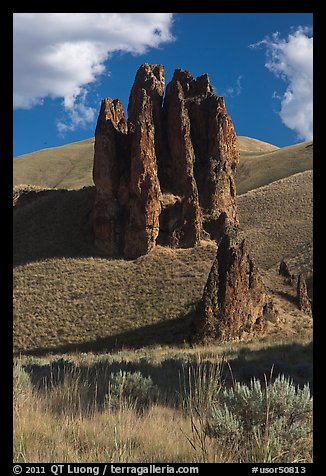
point(64, 64)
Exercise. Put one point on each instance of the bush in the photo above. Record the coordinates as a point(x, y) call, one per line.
point(275, 420)
point(131, 388)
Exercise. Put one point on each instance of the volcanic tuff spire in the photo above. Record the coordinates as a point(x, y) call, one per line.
point(303, 299)
point(234, 301)
point(167, 173)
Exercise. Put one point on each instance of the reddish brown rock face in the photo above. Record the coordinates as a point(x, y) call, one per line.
point(179, 164)
point(304, 303)
point(111, 176)
point(185, 148)
point(290, 279)
point(211, 145)
point(234, 301)
point(127, 206)
point(145, 193)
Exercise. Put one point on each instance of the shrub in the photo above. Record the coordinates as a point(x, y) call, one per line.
point(131, 388)
point(274, 420)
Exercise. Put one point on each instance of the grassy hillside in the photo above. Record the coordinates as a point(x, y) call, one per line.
point(66, 293)
point(70, 166)
point(277, 218)
point(250, 145)
point(261, 168)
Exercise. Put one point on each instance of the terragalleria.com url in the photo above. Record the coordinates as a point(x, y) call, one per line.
point(153, 469)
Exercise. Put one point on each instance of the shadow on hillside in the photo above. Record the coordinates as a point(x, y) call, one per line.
point(287, 296)
point(170, 332)
point(171, 375)
point(54, 224)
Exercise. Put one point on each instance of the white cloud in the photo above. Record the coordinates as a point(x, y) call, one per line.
point(78, 114)
point(291, 59)
point(58, 55)
point(235, 90)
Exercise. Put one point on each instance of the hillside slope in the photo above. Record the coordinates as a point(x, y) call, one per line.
point(70, 166)
point(66, 293)
point(250, 145)
point(257, 169)
point(277, 219)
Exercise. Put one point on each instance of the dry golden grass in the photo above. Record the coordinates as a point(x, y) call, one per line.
point(65, 421)
point(73, 301)
point(258, 168)
point(65, 292)
point(250, 145)
point(68, 298)
point(70, 166)
point(41, 435)
point(277, 219)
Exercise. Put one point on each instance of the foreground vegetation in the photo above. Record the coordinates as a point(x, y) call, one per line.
point(158, 406)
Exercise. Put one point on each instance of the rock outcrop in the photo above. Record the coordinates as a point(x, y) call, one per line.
point(111, 174)
point(285, 272)
point(303, 301)
point(165, 175)
point(235, 301)
point(145, 192)
point(211, 144)
point(128, 195)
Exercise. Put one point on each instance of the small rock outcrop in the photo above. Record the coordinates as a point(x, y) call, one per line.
point(285, 272)
point(235, 301)
point(166, 174)
point(284, 269)
point(303, 300)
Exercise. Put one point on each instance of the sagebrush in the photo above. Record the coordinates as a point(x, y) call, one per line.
point(143, 419)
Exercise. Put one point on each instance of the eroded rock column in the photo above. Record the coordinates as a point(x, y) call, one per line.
point(111, 176)
point(167, 173)
point(142, 227)
point(234, 301)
